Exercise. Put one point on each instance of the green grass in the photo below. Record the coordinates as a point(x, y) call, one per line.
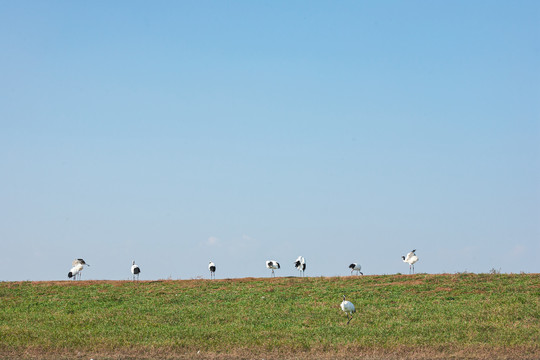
point(421, 316)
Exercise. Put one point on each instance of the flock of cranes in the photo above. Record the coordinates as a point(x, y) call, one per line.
point(299, 264)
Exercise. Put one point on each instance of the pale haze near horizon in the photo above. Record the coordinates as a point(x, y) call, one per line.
point(175, 133)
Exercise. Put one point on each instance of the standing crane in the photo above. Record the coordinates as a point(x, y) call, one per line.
point(272, 264)
point(212, 268)
point(77, 267)
point(410, 259)
point(356, 267)
point(348, 308)
point(300, 264)
point(135, 270)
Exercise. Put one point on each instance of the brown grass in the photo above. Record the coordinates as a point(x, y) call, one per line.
point(478, 352)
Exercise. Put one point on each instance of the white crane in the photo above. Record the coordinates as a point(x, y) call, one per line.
point(410, 259)
point(77, 267)
point(135, 270)
point(356, 267)
point(348, 308)
point(300, 264)
point(272, 264)
point(212, 268)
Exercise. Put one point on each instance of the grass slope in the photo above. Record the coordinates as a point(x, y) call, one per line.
point(420, 316)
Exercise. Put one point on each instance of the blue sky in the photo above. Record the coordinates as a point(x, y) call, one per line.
point(175, 133)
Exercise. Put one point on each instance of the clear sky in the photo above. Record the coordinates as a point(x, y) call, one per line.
point(179, 132)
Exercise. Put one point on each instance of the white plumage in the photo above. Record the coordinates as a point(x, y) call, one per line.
point(273, 265)
point(410, 259)
point(300, 264)
point(76, 270)
point(77, 267)
point(212, 268)
point(135, 270)
point(348, 308)
point(356, 267)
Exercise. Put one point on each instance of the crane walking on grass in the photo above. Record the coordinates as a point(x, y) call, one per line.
point(272, 264)
point(77, 267)
point(410, 259)
point(135, 270)
point(212, 268)
point(356, 267)
point(300, 264)
point(348, 308)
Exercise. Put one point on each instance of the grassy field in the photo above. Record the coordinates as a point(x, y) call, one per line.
point(476, 316)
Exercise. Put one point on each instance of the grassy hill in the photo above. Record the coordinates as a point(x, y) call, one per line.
point(477, 316)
